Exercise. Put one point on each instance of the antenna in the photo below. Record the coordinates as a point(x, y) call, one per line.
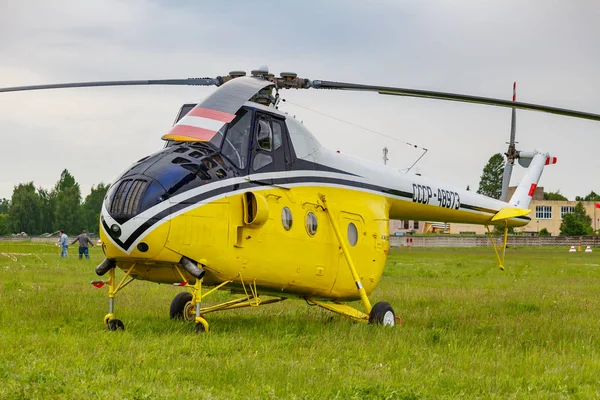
point(385, 157)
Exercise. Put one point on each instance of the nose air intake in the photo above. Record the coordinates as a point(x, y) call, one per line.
point(126, 200)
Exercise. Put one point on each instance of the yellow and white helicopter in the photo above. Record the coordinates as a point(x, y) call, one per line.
point(243, 197)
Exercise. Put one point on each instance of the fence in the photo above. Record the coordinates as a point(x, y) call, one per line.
point(482, 241)
point(29, 239)
point(435, 241)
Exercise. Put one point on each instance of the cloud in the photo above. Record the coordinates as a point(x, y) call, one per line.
point(461, 46)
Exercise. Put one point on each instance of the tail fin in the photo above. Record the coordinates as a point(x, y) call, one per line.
point(526, 188)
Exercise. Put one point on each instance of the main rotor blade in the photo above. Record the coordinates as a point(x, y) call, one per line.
point(179, 82)
point(452, 97)
point(203, 121)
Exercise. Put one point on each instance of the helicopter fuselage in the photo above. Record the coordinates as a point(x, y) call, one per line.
point(247, 205)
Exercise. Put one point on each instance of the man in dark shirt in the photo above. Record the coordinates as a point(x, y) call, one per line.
point(84, 240)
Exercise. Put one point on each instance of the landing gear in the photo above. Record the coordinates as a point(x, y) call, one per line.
point(382, 314)
point(201, 325)
point(112, 324)
point(115, 325)
point(182, 308)
point(187, 306)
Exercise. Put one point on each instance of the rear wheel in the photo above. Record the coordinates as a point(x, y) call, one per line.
point(382, 314)
point(181, 307)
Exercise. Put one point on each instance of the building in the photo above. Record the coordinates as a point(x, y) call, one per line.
point(399, 228)
point(548, 214)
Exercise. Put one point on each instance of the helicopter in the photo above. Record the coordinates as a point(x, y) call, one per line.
point(244, 198)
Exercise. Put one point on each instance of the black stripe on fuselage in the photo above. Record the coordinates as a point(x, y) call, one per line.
point(227, 188)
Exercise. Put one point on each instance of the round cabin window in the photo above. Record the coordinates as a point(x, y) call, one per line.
point(311, 223)
point(286, 218)
point(352, 234)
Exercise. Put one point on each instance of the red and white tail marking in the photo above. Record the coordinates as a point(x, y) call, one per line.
point(200, 124)
point(526, 189)
point(515, 91)
point(551, 160)
point(532, 190)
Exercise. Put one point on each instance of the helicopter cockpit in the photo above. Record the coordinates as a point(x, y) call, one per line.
point(258, 140)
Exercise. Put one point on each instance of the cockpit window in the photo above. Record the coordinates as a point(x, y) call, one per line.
point(265, 135)
point(237, 139)
point(277, 134)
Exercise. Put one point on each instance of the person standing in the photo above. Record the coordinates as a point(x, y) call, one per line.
point(84, 240)
point(63, 240)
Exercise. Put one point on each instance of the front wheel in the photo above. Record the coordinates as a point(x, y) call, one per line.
point(382, 314)
point(115, 325)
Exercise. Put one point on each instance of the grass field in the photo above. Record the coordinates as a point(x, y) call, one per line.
point(469, 331)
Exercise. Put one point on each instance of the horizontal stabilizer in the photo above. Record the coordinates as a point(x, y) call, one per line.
point(509, 212)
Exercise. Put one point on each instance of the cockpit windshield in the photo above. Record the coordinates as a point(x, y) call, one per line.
point(237, 139)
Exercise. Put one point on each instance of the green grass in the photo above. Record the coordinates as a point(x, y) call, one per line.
point(469, 331)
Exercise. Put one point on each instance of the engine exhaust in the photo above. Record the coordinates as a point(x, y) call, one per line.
point(105, 266)
point(193, 268)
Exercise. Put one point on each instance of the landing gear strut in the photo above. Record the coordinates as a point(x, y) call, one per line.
point(112, 324)
point(380, 314)
point(187, 305)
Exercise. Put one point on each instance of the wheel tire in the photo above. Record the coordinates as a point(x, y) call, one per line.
point(382, 314)
point(178, 304)
point(115, 325)
point(199, 328)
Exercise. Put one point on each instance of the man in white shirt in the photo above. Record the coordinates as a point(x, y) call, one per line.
point(63, 240)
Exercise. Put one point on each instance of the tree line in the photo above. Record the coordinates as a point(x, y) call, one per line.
point(37, 210)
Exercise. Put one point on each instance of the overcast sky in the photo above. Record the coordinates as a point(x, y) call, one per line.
point(476, 47)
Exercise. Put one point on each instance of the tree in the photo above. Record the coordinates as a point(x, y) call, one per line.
point(24, 211)
point(4, 205)
point(554, 196)
point(92, 206)
point(47, 207)
point(543, 232)
point(577, 223)
point(66, 181)
point(4, 228)
point(592, 196)
point(67, 212)
point(491, 179)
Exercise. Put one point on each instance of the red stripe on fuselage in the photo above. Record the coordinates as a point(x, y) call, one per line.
point(212, 114)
